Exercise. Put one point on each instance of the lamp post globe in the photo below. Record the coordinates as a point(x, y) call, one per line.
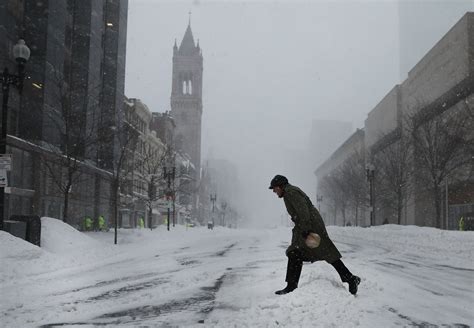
point(21, 52)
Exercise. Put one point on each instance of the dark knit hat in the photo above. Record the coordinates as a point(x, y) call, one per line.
point(278, 180)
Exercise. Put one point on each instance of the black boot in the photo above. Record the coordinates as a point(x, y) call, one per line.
point(347, 276)
point(354, 281)
point(288, 289)
point(293, 273)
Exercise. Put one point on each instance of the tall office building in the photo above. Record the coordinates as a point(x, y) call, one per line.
point(112, 77)
point(77, 64)
point(77, 60)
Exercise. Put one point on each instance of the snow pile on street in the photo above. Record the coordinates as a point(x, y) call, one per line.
point(20, 258)
point(14, 248)
point(60, 238)
point(453, 247)
point(62, 246)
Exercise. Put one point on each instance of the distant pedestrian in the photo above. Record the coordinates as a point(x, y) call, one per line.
point(88, 224)
point(461, 223)
point(308, 222)
point(141, 223)
point(101, 223)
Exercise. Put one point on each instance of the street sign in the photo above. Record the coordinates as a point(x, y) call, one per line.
point(3, 178)
point(6, 162)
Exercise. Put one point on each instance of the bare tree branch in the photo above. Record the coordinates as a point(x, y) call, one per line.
point(443, 147)
point(394, 173)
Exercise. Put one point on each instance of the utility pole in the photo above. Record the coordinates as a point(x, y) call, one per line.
point(370, 171)
point(213, 200)
point(173, 195)
point(224, 206)
point(447, 203)
point(168, 174)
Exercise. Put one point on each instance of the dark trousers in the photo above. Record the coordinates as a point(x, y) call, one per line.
point(293, 269)
point(343, 271)
point(295, 264)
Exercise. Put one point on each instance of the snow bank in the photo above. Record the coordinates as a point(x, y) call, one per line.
point(60, 238)
point(454, 247)
point(19, 258)
point(15, 248)
point(62, 246)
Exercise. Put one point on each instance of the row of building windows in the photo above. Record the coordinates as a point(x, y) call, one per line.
point(139, 187)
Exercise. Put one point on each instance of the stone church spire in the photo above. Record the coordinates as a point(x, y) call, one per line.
point(188, 46)
point(186, 102)
point(186, 97)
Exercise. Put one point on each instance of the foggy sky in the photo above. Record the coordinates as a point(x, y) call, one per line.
point(270, 68)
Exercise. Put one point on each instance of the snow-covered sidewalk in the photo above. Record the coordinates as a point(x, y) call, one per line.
point(411, 276)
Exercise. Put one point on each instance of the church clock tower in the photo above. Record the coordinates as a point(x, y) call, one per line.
point(186, 97)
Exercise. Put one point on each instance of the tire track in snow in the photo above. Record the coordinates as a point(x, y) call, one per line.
point(201, 303)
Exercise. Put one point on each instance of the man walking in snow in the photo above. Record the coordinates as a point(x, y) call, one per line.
point(307, 222)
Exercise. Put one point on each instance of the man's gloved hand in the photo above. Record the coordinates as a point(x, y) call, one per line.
point(312, 240)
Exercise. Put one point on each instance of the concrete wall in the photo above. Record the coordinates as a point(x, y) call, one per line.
point(446, 65)
point(354, 143)
point(422, 23)
point(384, 118)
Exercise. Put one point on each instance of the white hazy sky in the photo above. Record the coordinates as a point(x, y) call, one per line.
point(270, 68)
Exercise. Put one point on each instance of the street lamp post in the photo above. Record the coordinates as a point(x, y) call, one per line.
point(446, 203)
point(213, 200)
point(224, 206)
point(319, 200)
point(21, 53)
point(370, 172)
point(169, 173)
